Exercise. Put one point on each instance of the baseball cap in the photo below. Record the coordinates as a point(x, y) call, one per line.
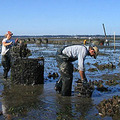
point(10, 33)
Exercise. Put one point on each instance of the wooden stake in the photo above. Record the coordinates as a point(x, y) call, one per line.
point(104, 32)
point(114, 40)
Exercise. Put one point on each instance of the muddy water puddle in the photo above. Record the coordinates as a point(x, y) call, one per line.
point(41, 102)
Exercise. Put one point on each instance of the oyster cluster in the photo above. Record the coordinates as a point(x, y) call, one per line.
point(111, 82)
point(100, 86)
point(109, 107)
point(84, 89)
point(54, 75)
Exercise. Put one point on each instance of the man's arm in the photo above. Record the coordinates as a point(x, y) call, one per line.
point(6, 44)
point(16, 40)
point(82, 75)
point(81, 59)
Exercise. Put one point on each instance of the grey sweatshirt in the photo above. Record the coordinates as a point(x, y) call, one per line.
point(78, 52)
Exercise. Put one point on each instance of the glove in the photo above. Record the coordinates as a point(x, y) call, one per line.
point(84, 80)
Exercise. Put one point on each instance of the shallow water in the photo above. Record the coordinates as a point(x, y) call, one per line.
point(41, 102)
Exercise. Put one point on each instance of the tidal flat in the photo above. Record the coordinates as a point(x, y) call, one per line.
point(41, 102)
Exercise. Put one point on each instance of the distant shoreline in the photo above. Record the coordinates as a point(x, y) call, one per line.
point(64, 39)
point(63, 36)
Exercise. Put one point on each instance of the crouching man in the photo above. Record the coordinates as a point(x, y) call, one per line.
point(64, 57)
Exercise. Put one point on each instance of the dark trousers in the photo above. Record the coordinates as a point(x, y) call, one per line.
point(66, 72)
point(6, 63)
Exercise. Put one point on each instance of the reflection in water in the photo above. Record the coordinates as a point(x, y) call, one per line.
point(64, 110)
point(73, 108)
point(18, 99)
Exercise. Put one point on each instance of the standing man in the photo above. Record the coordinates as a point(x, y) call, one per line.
point(7, 43)
point(65, 57)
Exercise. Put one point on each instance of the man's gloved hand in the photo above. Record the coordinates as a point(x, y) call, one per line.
point(84, 80)
point(85, 83)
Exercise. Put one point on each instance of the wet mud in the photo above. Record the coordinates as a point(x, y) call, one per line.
point(41, 102)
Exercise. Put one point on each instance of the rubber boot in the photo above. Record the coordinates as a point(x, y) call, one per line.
point(5, 74)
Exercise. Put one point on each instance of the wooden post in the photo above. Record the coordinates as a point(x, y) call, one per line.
point(114, 40)
point(104, 32)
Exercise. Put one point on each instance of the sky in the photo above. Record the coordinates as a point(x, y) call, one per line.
point(60, 17)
